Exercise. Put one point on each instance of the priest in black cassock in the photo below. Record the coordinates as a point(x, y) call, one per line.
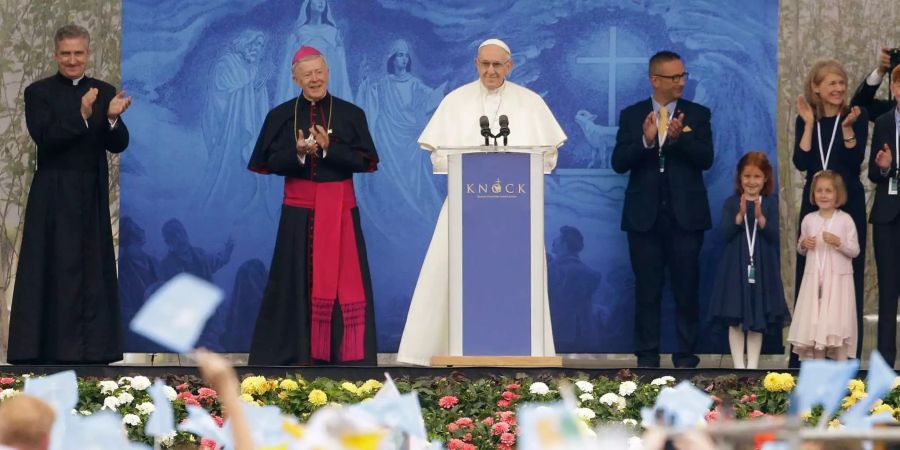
point(65, 307)
point(317, 307)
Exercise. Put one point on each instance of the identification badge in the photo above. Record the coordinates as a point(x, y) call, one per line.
point(892, 186)
point(662, 164)
point(751, 274)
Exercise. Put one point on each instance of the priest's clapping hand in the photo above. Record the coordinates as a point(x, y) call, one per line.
point(304, 146)
point(118, 105)
point(87, 102)
point(650, 130)
point(320, 134)
point(673, 130)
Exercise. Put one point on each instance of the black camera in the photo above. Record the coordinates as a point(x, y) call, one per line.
point(894, 54)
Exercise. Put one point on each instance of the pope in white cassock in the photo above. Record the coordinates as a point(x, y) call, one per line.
point(455, 124)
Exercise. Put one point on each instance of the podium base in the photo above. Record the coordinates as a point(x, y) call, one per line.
point(496, 361)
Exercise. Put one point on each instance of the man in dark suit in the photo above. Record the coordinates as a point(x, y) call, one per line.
point(666, 144)
point(864, 97)
point(885, 220)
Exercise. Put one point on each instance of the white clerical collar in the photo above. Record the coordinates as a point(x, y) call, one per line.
point(77, 80)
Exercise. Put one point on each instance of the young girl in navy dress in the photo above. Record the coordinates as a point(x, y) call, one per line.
point(747, 293)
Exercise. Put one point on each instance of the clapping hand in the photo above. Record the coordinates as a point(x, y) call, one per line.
point(883, 158)
point(804, 110)
point(87, 102)
point(117, 105)
point(851, 117)
point(760, 218)
point(305, 147)
point(831, 239)
point(742, 212)
point(650, 130)
point(808, 243)
point(673, 129)
point(320, 134)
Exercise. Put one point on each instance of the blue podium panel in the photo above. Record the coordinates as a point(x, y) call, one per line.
point(496, 254)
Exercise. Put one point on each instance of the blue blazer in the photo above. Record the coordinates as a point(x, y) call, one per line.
point(686, 159)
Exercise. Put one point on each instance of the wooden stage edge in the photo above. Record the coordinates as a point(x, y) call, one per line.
point(496, 361)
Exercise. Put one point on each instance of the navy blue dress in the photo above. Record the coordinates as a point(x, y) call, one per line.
point(756, 307)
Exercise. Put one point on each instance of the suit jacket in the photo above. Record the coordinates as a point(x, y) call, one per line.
point(686, 159)
point(886, 207)
point(864, 97)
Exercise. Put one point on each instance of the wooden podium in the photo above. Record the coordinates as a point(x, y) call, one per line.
point(497, 257)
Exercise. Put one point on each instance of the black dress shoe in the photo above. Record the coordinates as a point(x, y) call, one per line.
point(686, 361)
point(648, 361)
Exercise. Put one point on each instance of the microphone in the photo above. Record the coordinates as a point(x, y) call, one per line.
point(504, 128)
point(485, 129)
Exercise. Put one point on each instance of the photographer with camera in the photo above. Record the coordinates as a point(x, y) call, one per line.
point(888, 58)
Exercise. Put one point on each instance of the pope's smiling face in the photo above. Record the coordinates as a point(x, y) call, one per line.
point(493, 64)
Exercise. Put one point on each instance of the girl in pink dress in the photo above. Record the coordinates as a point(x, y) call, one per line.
point(825, 313)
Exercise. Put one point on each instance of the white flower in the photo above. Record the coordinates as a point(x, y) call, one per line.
point(629, 422)
point(125, 380)
point(662, 381)
point(73, 412)
point(539, 388)
point(627, 388)
point(84, 412)
point(108, 386)
point(140, 383)
point(131, 419)
point(146, 408)
point(620, 404)
point(585, 413)
point(125, 398)
point(110, 403)
point(635, 443)
point(609, 399)
point(7, 393)
point(584, 386)
point(170, 393)
point(585, 397)
point(168, 439)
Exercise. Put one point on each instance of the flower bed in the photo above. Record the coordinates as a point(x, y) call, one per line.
point(465, 413)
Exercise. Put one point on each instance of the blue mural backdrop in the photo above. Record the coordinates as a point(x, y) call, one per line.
point(203, 75)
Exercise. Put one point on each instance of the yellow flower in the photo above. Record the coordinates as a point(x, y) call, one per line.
point(882, 408)
point(369, 386)
point(255, 385)
point(282, 395)
point(806, 416)
point(856, 385)
point(349, 387)
point(247, 398)
point(289, 385)
point(778, 382)
point(851, 399)
point(317, 397)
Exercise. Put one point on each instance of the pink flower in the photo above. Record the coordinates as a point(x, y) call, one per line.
point(712, 416)
point(512, 386)
point(465, 422)
point(181, 387)
point(716, 399)
point(206, 392)
point(7, 380)
point(184, 395)
point(468, 447)
point(191, 401)
point(451, 427)
point(218, 419)
point(488, 421)
point(468, 437)
point(756, 413)
point(752, 397)
point(208, 444)
point(448, 401)
point(502, 403)
point(455, 444)
point(745, 398)
point(499, 428)
point(510, 395)
point(508, 417)
point(502, 446)
point(508, 438)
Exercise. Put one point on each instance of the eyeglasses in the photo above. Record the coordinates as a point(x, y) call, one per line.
point(485, 65)
point(675, 78)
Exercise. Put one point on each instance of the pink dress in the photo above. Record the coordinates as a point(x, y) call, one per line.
point(827, 323)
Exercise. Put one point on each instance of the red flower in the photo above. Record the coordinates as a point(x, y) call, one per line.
point(455, 444)
point(465, 422)
point(499, 428)
point(181, 387)
point(207, 392)
point(468, 437)
point(468, 447)
point(448, 401)
point(756, 413)
point(191, 401)
point(208, 444)
point(508, 438)
point(712, 416)
point(502, 446)
point(512, 386)
point(752, 397)
point(488, 421)
point(218, 420)
point(184, 395)
point(510, 395)
point(452, 427)
point(7, 380)
point(502, 403)
point(508, 417)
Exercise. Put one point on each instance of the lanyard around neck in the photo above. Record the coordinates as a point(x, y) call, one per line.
point(826, 155)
